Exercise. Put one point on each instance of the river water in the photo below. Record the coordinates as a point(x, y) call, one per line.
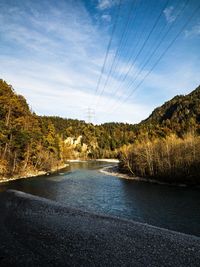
point(82, 186)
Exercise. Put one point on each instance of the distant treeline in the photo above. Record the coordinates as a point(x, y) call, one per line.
point(31, 143)
point(171, 159)
point(158, 147)
point(27, 143)
point(167, 147)
point(103, 141)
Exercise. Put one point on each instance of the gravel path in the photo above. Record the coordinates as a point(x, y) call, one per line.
point(38, 232)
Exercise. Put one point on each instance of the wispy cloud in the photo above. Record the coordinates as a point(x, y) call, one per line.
point(169, 14)
point(105, 4)
point(106, 17)
point(194, 31)
point(56, 56)
point(53, 55)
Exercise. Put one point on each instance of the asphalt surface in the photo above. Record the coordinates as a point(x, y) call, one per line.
point(38, 232)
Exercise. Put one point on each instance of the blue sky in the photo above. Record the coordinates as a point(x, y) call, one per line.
point(52, 52)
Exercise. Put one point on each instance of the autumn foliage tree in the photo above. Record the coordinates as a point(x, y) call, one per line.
point(25, 144)
point(171, 159)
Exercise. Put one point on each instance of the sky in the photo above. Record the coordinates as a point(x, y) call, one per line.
point(115, 60)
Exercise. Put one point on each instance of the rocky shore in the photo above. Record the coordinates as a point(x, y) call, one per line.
point(32, 174)
point(39, 232)
point(114, 171)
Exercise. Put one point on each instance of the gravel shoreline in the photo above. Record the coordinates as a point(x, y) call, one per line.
point(33, 174)
point(114, 171)
point(40, 232)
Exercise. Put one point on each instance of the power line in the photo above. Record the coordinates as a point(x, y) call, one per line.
point(153, 52)
point(134, 48)
point(120, 45)
point(135, 37)
point(164, 52)
point(159, 44)
point(108, 47)
point(143, 45)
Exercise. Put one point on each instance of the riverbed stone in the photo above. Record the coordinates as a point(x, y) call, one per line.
point(40, 232)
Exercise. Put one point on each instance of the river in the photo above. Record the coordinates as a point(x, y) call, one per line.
point(82, 186)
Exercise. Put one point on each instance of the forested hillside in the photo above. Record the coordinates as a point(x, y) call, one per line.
point(178, 115)
point(164, 146)
point(102, 140)
point(31, 143)
point(168, 143)
point(27, 143)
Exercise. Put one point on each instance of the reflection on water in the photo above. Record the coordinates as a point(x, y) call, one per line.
point(82, 186)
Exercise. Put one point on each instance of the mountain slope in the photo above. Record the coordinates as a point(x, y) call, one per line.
point(31, 143)
point(27, 145)
point(179, 114)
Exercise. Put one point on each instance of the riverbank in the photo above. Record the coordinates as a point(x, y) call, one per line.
point(55, 169)
point(114, 171)
point(39, 232)
point(108, 160)
point(101, 160)
point(33, 174)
